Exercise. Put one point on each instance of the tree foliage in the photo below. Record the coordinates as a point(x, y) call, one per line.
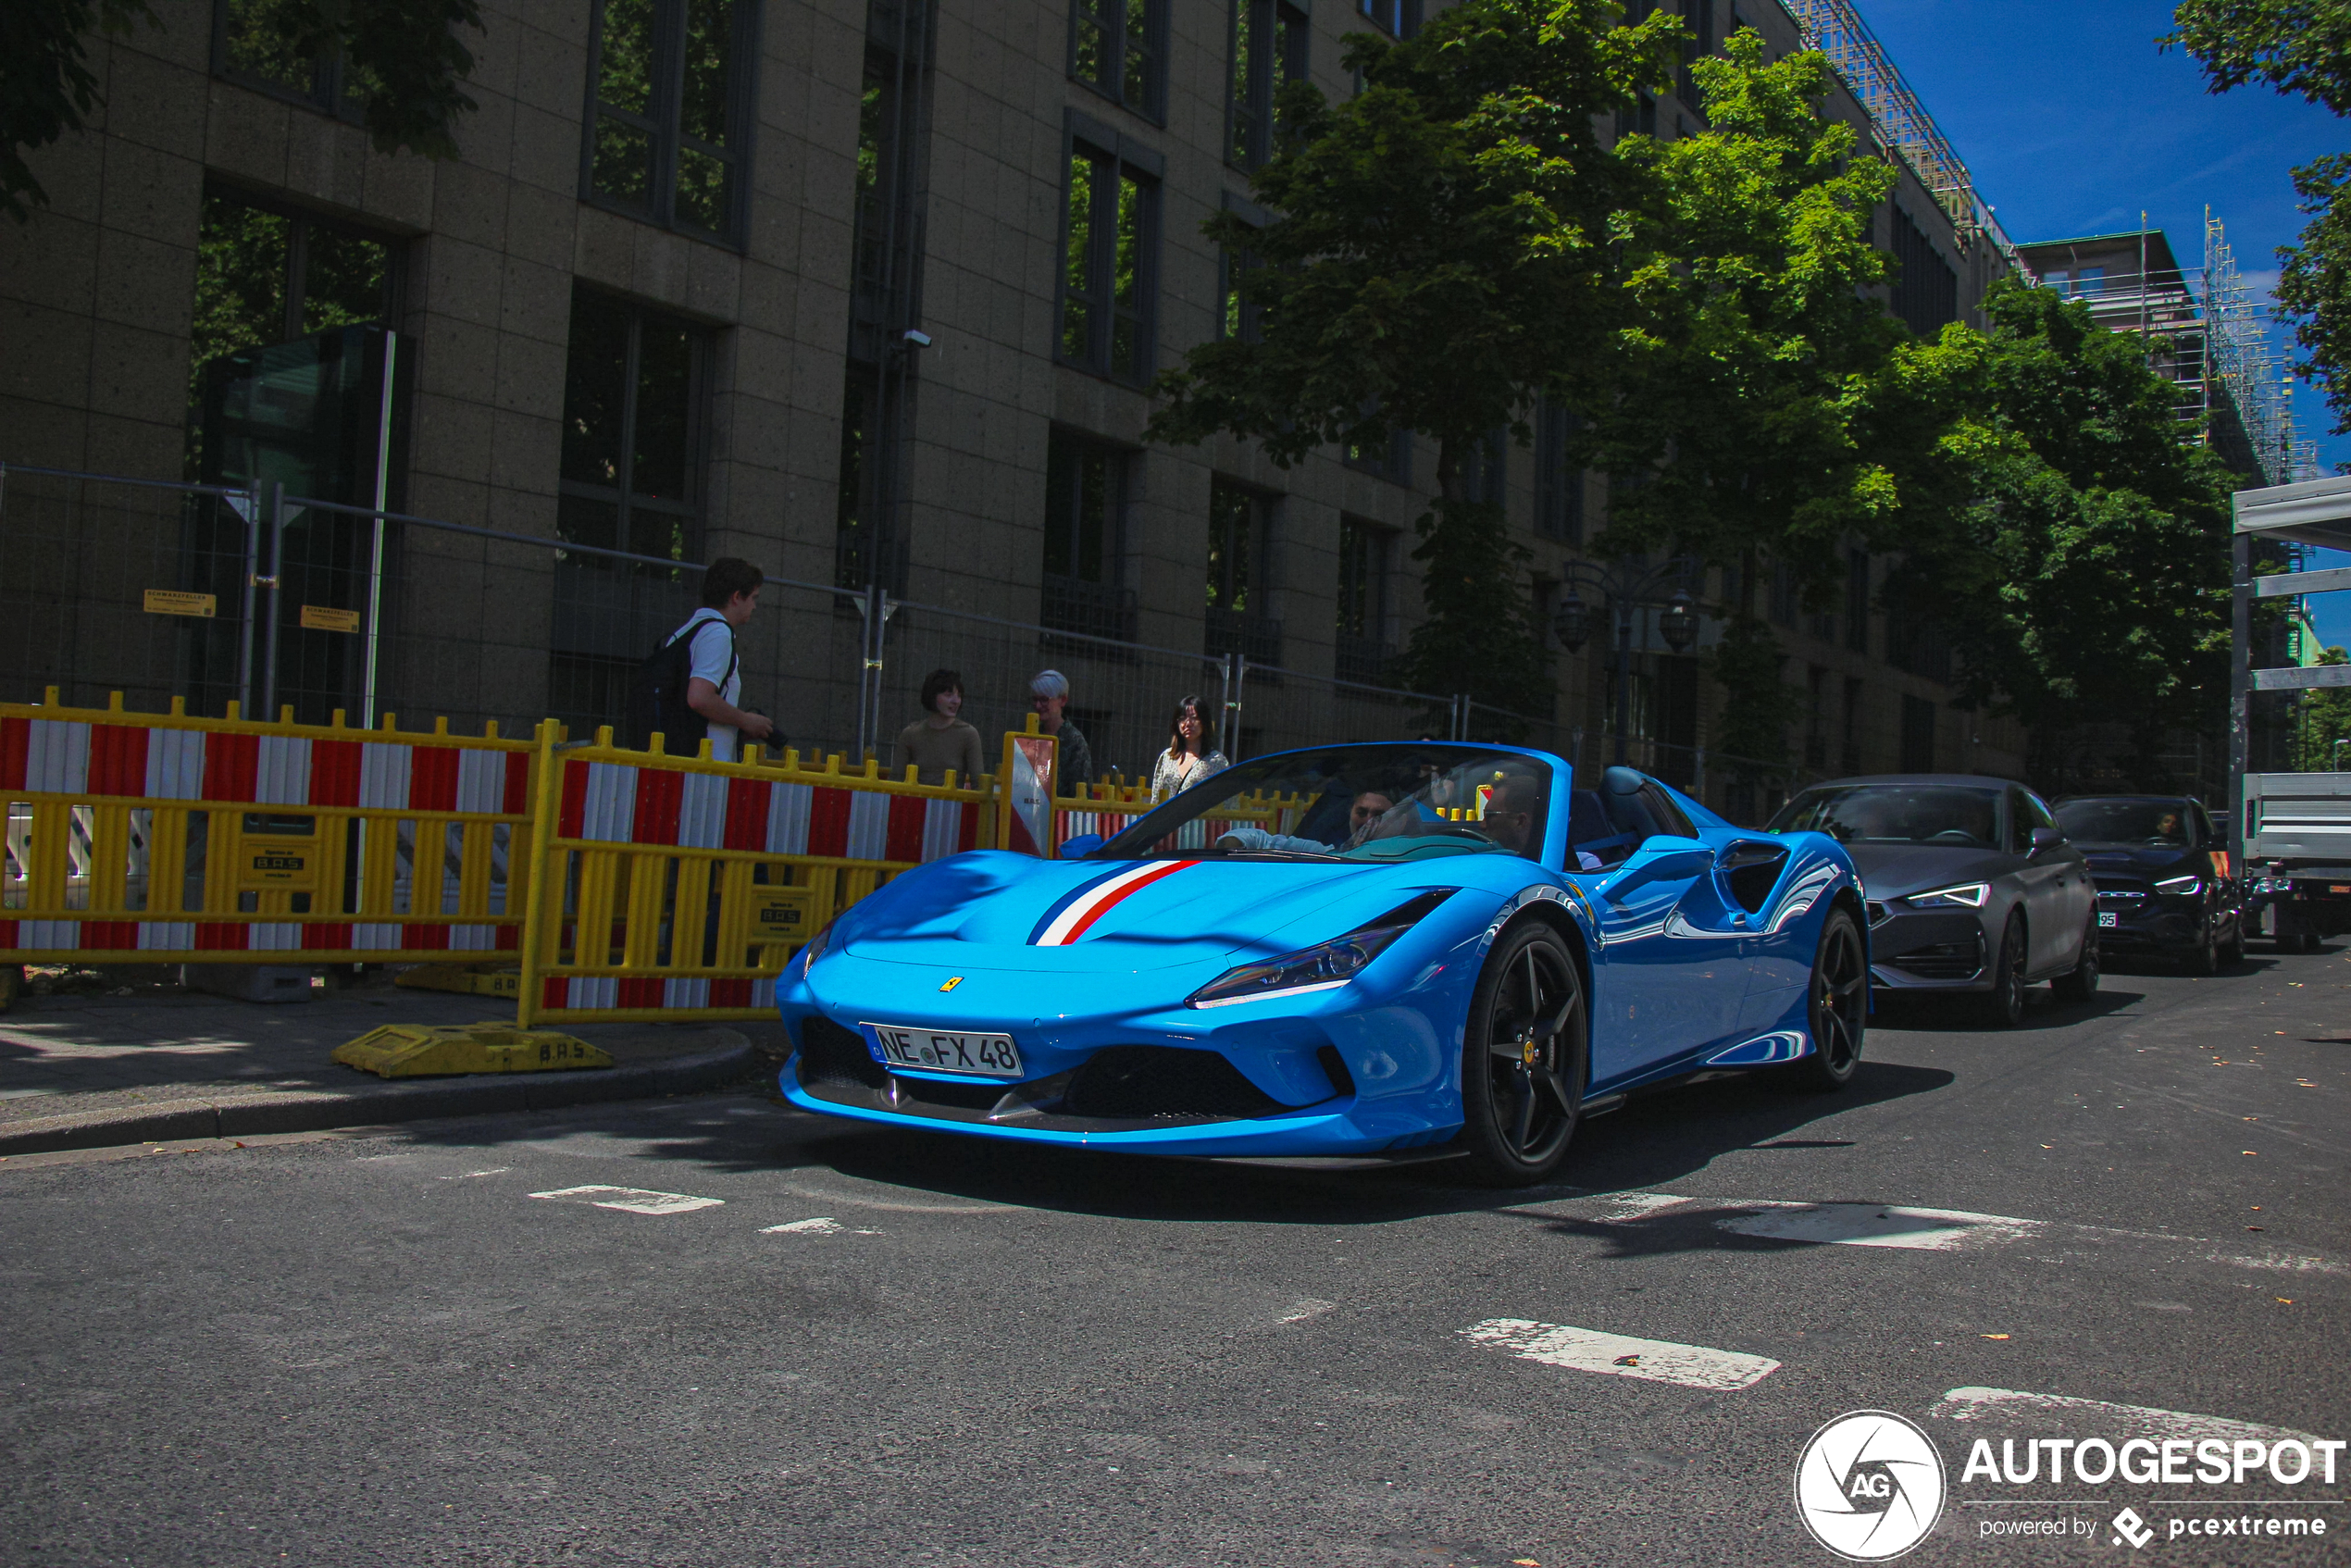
point(2301, 48)
point(1437, 257)
point(1759, 390)
point(2326, 719)
point(402, 58)
point(2087, 580)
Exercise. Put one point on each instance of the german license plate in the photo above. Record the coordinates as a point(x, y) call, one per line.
point(2107, 919)
point(947, 1051)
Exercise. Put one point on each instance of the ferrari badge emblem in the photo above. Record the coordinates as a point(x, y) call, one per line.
point(952, 982)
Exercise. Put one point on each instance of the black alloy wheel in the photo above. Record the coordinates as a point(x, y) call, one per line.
point(2004, 1009)
point(2232, 951)
point(1840, 1005)
point(1523, 1059)
point(2081, 982)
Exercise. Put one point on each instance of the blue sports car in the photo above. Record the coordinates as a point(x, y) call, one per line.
point(1342, 957)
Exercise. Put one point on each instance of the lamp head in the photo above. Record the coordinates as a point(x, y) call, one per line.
point(1572, 621)
point(1678, 624)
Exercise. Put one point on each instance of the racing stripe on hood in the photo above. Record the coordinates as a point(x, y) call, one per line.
point(1070, 919)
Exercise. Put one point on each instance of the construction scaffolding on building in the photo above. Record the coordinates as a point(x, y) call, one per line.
point(1900, 120)
point(2243, 368)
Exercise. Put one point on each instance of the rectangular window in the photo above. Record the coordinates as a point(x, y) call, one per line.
point(1918, 735)
point(668, 105)
point(1109, 255)
point(1390, 459)
point(1857, 601)
point(630, 479)
point(1641, 118)
point(1239, 540)
point(1486, 470)
point(2089, 281)
point(887, 248)
point(1559, 488)
point(251, 46)
point(1085, 507)
point(1699, 17)
point(1364, 552)
point(1269, 53)
point(1239, 318)
point(1398, 19)
point(1926, 292)
point(1785, 600)
point(1119, 49)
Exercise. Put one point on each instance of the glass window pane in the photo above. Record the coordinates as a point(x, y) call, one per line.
point(260, 42)
point(702, 190)
point(665, 401)
point(702, 109)
point(1077, 276)
point(240, 279)
point(1140, 68)
point(624, 76)
point(344, 282)
point(1094, 500)
point(1087, 51)
point(624, 160)
point(1240, 92)
point(1128, 283)
point(595, 373)
point(1125, 347)
point(585, 521)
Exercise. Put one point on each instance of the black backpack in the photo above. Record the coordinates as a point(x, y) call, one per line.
point(657, 694)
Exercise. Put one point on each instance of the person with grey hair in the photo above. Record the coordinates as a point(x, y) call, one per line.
point(1049, 694)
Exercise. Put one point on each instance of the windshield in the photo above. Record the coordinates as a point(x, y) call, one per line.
point(1896, 814)
point(1405, 801)
point(2157, 824)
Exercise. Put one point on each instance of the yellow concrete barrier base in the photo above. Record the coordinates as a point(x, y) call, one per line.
point(420, 1051)
point(506, 984)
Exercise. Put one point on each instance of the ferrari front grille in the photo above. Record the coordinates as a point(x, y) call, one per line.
point(831, 1054)
point(1121, 1082)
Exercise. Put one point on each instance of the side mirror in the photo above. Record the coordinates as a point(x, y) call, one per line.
point(2045, 839)
point(1081, 846)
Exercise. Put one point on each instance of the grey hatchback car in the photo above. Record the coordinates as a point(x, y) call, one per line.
point(1971, 886)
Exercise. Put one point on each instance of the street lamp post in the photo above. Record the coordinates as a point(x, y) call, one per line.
point(1624, 588)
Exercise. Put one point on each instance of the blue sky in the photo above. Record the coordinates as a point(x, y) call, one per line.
point(2072, 120)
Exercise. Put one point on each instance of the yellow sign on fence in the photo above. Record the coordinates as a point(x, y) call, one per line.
point(170, 602)
point(320, 618)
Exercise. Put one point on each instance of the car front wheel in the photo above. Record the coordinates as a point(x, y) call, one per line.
point(1523, 1059)
point(2004, 1009)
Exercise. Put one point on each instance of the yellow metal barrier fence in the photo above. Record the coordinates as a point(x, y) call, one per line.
point(158, 837)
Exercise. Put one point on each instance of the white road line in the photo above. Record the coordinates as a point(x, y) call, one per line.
point(1640, 1205)
point(634, 1200)
point(1879, 1224)
point(1304, 1308)
point(2285, 1263)
point(820, 1226)
point(1994, 1404)
point(469, 1175)
point(1657, 1361)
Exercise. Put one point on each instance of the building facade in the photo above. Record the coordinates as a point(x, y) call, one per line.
point(868, 291)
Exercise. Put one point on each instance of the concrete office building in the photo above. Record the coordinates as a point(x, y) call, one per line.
point(865, 290)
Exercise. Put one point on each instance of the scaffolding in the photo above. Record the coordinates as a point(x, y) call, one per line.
point(1899, 119)
point(2236, 326)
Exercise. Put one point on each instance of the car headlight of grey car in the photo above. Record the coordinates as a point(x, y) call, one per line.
point(1965, 895)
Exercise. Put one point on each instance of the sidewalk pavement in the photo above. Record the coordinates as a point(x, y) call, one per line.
point(85, 1072)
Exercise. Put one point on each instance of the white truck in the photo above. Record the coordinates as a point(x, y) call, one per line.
point(2297, 855)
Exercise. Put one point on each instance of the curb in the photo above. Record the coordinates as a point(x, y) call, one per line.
point(309, 1111)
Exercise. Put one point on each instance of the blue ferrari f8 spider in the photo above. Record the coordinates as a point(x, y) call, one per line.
point(1348, 956)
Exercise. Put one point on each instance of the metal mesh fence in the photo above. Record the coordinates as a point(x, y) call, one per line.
point(159, 590)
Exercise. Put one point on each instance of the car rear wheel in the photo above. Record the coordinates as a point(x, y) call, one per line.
point(1840, 1005)
point(2004, 1009)
point(1523, 1059)
point(2232, 954)
point(2081, 982)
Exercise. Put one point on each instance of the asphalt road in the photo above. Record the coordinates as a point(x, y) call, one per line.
point(382, 1348)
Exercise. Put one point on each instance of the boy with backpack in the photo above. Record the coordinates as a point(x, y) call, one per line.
point(690, 685)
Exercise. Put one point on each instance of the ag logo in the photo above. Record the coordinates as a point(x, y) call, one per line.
point(1870, 1486)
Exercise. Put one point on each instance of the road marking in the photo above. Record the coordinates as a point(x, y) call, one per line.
point(1304, 1308)
point(469, 1175)
point(1657, 1361)
point(1879, 1224)
point(821, 1227)
point(634, 1200)
point(1987, 1404)
point(2285, 1263)
point(1640, 1205)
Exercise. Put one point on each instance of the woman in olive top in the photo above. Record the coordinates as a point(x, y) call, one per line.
point(940, 742)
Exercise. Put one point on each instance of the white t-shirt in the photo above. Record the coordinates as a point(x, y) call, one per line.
point(714, 660)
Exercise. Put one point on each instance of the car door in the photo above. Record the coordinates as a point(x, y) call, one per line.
point(2056, 887)
point(1673, 948)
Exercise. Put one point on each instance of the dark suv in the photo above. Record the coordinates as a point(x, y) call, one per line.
point(2167, 887)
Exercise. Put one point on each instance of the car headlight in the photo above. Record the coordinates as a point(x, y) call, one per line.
point(816, 948)
point(1968, 895)
point(2181, 884)
point(1325, 966)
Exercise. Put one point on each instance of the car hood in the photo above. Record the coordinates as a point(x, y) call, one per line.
point(2126, 858)
point(1891, 871)
point(992, 910)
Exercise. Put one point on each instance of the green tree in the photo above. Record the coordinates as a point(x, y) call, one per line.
point(2302, 48)
point(2086, 578)
point(2326, 719)
point(1437, 258)
point(402, 58)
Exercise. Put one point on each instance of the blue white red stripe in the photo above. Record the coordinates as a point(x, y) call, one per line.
point(1078, 914)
